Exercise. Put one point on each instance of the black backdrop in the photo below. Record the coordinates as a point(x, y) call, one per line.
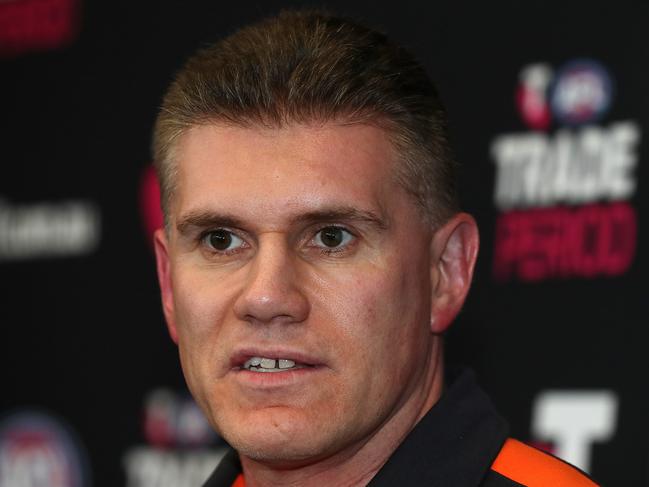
point(555, 325)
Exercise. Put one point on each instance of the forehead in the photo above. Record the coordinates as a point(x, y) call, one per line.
point(276, 171)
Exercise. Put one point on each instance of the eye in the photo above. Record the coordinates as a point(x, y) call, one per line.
point(222, 240)
point(332, 237)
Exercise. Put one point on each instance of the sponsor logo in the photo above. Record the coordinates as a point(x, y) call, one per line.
point(581, 93)
point(37, 25)
point(531, 96)
point(37, 450)
point(564, 196)
point(572, 421)
point(182, 448)
point(173, 420)
point(49, 230)
point(148, 467)
point(571, 167)
point(586, 241)
point(150, 202)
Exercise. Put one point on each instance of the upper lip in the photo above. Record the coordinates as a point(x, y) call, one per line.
point(239, 357)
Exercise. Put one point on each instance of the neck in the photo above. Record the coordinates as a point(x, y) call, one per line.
point(357, 464)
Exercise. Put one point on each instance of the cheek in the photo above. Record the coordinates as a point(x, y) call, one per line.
point(200, 314)
point(377, 335)
point(195, 312)
point(394, 299)
point(382, 315)
point(201, 309)
point(200, 299)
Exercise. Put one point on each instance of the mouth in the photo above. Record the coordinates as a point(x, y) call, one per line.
point(264, 364)
point(261, 370)
point(272, 361)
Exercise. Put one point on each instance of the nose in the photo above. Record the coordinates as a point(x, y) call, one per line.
point(273, 290)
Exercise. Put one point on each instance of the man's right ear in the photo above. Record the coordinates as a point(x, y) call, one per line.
point(163, 264)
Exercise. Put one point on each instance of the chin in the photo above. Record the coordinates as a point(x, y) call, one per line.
point(278, 436)
point(279, 456)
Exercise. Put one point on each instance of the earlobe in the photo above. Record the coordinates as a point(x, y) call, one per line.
point(454, 250)
point(164, 279)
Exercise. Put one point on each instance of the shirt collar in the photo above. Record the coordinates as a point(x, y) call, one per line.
point(453, 445)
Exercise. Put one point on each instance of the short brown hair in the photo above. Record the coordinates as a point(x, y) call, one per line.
point(302, 67)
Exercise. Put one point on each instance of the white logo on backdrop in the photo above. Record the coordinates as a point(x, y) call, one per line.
point(573, 420)
point(43, 230)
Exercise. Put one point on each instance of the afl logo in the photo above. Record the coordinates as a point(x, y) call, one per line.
point(36, 450)
point(581, 93)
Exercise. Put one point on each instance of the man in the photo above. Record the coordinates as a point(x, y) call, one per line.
point(313, 256)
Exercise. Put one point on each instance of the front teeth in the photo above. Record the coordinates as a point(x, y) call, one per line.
point(262, 364)
point(268, 363)
point(285, 363)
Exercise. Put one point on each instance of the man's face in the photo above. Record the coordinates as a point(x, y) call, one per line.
point(296, 251)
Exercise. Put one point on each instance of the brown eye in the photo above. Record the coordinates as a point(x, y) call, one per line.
point(332, 237)
point(222, 240)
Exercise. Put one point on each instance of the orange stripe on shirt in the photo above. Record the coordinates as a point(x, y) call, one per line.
point(533, 468)
point(239, 481)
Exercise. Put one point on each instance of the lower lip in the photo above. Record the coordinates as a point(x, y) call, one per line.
point(275, 379)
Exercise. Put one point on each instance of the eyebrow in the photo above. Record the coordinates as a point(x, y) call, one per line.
point(212, 219)
point(344, 213)
point(205, 219)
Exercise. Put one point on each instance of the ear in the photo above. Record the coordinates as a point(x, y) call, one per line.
point(161, 247)
point(454, 249)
